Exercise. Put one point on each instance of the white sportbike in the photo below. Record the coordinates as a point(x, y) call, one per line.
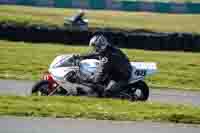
point(63, 78)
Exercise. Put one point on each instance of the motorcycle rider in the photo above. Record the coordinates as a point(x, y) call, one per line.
point(78, 18)
point(114, 65)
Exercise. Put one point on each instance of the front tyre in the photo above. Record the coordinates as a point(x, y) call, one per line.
point(139, 91)
point(40, 88)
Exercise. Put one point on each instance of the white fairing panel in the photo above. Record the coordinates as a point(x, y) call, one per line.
point(143, 68)
point(59, 73)
point(89, 66)
point(150, 67)
point(60, 66)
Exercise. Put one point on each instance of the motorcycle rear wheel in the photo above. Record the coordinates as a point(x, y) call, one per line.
point(139, 91)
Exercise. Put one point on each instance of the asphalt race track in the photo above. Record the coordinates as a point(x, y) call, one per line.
point(23, 88)
point(50, 125)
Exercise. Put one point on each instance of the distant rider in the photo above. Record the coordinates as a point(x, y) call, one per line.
point(78, 18)
point(114, 65)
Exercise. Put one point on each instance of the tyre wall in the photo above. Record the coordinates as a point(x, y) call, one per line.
point(127, 39)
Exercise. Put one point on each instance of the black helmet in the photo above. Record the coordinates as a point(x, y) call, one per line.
point(99, 43)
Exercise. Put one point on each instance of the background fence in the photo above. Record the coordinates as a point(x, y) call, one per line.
point(157, 6)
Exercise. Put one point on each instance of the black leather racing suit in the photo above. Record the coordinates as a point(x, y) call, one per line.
point(115, 65)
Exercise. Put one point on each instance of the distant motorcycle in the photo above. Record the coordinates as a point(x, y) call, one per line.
point(63, 75)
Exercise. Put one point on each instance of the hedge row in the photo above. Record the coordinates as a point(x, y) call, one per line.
point(126, 39)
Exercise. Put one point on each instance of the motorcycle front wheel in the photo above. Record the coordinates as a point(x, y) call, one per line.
point(40, 88)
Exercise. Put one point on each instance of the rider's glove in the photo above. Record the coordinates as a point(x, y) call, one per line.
point(77, 59)
point(76, 56)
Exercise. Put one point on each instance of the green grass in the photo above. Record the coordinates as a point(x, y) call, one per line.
point(21, 60)
point(53, 17)
point(101, 109)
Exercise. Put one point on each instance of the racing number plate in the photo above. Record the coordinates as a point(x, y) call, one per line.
point(140, 73)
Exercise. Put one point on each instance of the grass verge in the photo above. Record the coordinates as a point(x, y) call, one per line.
point(28, 61)
point(54, 17)
point(101, 109)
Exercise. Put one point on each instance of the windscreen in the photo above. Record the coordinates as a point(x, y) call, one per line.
point(63, 61)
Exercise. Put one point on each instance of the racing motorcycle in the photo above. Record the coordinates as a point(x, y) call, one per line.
point(63, 78)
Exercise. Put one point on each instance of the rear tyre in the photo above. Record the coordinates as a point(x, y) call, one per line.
point(139, 91)
point(40, 88)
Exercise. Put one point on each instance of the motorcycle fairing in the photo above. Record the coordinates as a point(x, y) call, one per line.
point(64, 64)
